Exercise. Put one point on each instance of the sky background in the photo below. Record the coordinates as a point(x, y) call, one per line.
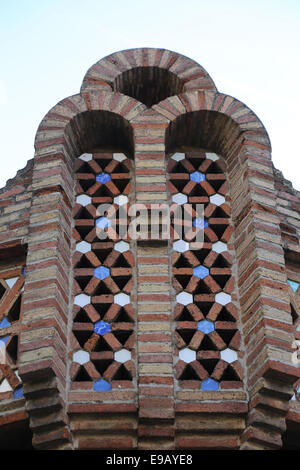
point(249, 48)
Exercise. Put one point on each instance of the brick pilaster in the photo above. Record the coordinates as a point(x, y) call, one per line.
point(43, 353)
point(155, 360)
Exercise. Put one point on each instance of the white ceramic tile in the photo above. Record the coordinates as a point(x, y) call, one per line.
point(83, 247)
point(187, 355)
point(83, 200)
point(122, 299)
point(121, 246)
point(119, 157)
point(181, 246)
point(219, 247)
point(184, 298)
point(229, 355)
point(82, 300)
point(122, 356)
point(86, 157)
point(222, 298)
point(217, 199)
point(81, 357)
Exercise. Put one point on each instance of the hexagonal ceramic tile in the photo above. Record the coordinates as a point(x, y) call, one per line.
point(200, 223)
point(122, 356)
point(86, 157)
point(217, 199)
point(82, 300)
point(205, 326)
point(119, 157)
point(201, 272)
point(102, 386)
point(103, 222)
point(228, 355)
point(103, 178)
point(219, 247)
point(181, 246)
point(81, 357)
point(197, 176)
point(187, 355)
point(222, 298)
point(83, 247)
point(212, 156)
point(121, 200)
point(210, 385)
point(101, 327)
point(184, 298)
point(178, 156)
point(179, 198)
point(122, 299)
point(102, 272)
point(18, 392)
point(83, 200)
point(121, 246)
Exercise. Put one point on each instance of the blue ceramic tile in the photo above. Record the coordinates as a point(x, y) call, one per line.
point(101, 327)
point(103, 178)
point(205, 326)
point(197, 177)
point(294, 285)
point(201, 272)
point(102, 386)
point(5, 323)
point(210, 384)
point(101, 273)
point(18, 393)
point(200, 222)
point(4, 339)
point(103, 222)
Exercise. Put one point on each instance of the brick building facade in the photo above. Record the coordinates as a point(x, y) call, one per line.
point(156, 342)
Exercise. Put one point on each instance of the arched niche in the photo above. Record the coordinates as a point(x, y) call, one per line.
point(149, 85)
point(210, 130)
point(97, 129)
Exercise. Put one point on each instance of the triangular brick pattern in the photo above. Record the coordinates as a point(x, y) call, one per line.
point(11, 288)
point(207, 333)
point(103, 335)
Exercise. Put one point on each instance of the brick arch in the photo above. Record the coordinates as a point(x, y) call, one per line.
point(219, 111)
point(60, 126)
point(173, 71)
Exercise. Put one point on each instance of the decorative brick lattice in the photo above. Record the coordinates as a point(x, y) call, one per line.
point(104, 317)
point(294, 291)
point(11, 287)
point(207, 335)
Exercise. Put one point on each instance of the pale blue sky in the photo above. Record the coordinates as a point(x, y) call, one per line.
point(250, 49)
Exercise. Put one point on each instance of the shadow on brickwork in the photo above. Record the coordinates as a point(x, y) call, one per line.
point(16, 436)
